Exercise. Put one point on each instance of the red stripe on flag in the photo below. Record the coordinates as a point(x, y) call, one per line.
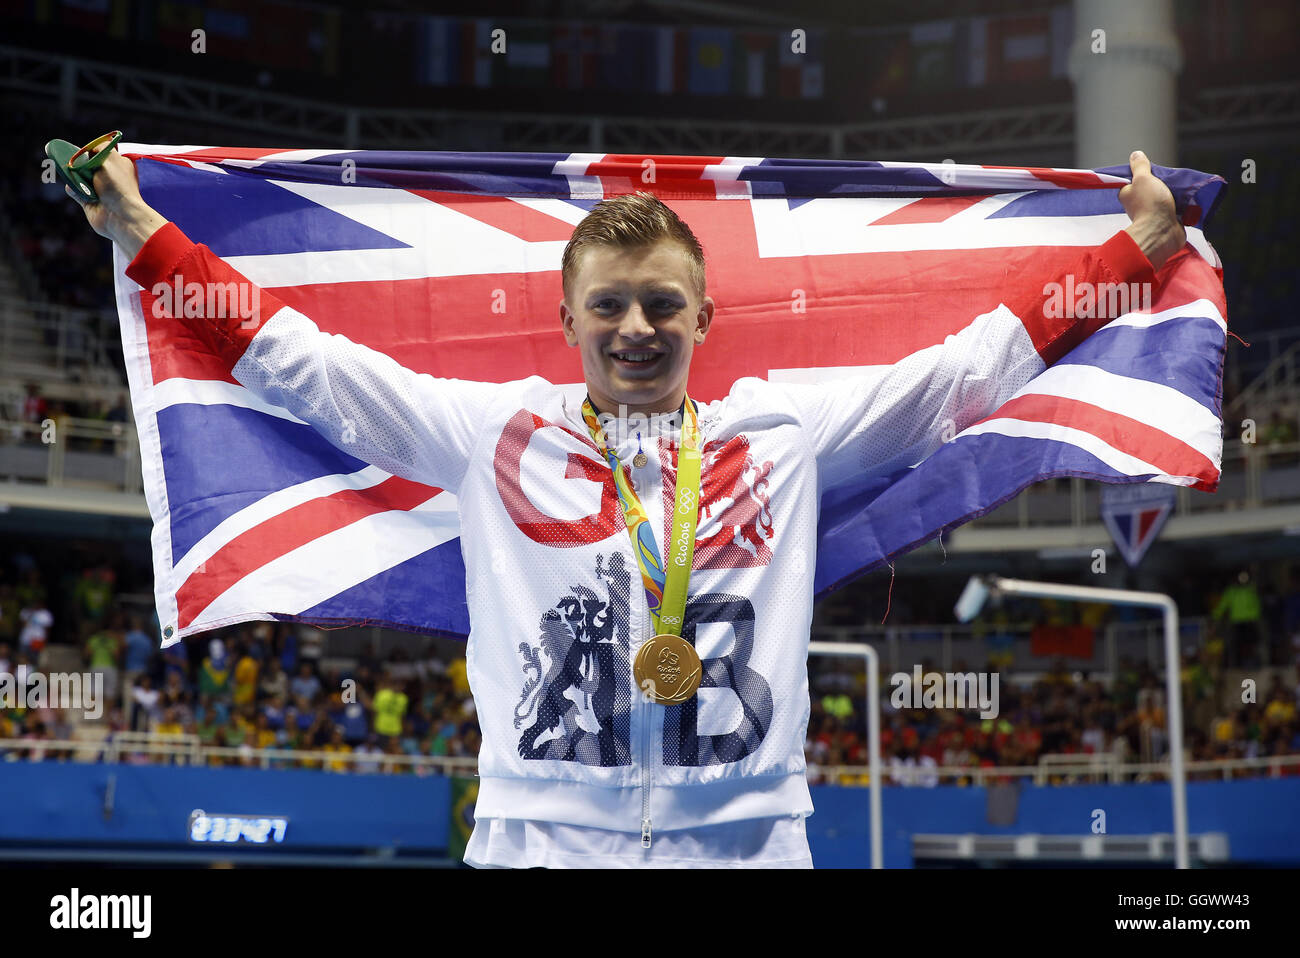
point(1167, 453)
point(1066, 179)
point(929, 209)
point(290, 530)
point(445, 325)
point(624, 172)
point(217, 154)
point(448, 325)
point(517, 219)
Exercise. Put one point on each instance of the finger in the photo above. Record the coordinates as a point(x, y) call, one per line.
point(1138, 163)
point(74, 194)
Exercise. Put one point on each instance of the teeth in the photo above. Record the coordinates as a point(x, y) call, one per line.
point(635, 357)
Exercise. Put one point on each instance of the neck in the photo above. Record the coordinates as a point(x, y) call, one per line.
point(623, 410)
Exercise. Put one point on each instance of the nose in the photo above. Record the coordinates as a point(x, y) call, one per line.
point(635, 326)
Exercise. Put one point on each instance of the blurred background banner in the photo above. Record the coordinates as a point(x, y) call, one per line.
point(1064, 641)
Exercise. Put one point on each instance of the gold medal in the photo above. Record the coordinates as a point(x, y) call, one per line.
point(668, 669)
point(639, 460)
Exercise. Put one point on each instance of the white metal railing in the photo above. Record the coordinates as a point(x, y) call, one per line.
point(1099, 763)
point(1050, 770)
point(1085, 768)
point(1278, 378)
point(109, 457)
point(83, 339)
point(189, 750)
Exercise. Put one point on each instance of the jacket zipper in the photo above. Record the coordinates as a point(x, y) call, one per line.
point(646, 723)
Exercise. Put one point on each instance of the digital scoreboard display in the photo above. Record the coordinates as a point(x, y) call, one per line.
point(237, 829)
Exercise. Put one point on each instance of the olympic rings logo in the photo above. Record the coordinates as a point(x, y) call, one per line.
point(670, 619)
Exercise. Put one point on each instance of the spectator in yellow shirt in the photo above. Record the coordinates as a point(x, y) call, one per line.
point(263, 735)
point(1224, 730)
point(169, 727)
point(1280, 709)
point(336, 745)
point(839, 705)
point(1240, 608)
point(246, 670)
point(390, 706)
point(246, 720)
point(459, 679)
point(170, 724)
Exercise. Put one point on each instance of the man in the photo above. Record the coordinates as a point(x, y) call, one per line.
point(639, 706)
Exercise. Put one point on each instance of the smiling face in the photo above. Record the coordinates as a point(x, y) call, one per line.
point(636, 319)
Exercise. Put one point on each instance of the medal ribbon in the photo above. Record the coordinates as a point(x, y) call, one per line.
point(665, 590)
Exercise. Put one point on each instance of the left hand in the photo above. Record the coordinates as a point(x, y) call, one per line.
point(1149, 204)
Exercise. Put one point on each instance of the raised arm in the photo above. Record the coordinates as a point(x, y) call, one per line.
point(409, 424)
point(895, 417)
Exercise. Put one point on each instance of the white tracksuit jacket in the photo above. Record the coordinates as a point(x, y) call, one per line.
point(556, 605)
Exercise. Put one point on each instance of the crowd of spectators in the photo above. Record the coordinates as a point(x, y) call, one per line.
point(275, 685)
point(1059, 712)
point(262, 686)
point(265, 685)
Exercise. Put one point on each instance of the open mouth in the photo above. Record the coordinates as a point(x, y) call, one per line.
point(632, 359)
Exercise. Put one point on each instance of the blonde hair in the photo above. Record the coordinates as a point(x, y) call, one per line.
point(628, 222)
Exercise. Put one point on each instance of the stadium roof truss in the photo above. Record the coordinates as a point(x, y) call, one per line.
point(78, 84)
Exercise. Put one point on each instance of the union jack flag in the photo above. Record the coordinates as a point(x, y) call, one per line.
point(450, 263)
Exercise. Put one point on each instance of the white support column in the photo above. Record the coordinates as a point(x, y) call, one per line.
point(1124, 97)
point(873, 733)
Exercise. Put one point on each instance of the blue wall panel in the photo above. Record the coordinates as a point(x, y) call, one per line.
point(1260, 816)
point(63, 803)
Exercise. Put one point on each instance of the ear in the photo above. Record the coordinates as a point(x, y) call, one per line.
point(566, 324)
point(703, 319)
